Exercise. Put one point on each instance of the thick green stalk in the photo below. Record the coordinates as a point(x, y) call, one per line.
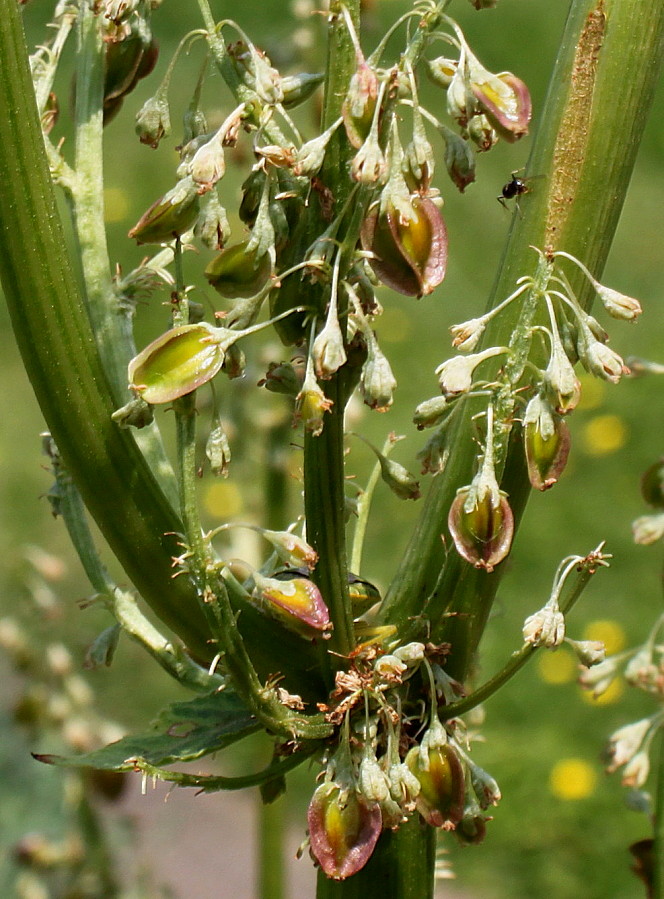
point(401, 867)
point(600, 94)
point(58, 347)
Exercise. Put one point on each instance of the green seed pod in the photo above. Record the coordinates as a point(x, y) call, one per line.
point(363, 595)
point(442, 788)
point(298, 88)
point(176, 363)
point(483, 531)
point(505, 100)
point(295, 601)
point(170, 216)
point(236, 273)
point(126, 62)
point(547, 443)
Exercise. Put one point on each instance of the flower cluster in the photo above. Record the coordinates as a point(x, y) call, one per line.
point(480, 519)
point(387, 767)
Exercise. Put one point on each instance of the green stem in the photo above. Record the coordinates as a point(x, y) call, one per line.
point(401, 867)
point(111, 319)
point(658, 802)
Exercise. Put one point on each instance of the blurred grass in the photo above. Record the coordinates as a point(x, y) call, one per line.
point(560, 841)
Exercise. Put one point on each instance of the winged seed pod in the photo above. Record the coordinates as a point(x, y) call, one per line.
point(170, 216)
point(440, 774)
point(295, 601)
point(343, 829)
point(408, 254)
point(238, 273)
point(546, 441)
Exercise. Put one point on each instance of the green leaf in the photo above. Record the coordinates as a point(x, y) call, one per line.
point(182, 732)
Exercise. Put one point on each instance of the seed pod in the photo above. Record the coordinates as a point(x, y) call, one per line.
point(126, 62)
point(409, 254)
point(295, 601)
point(505, 101)
point(170, 216)
point(236, 273)
point(363, 595)
point(441, 797)
point(343, 830)
point(176, 363)
point(298, 88)
point(547, 443)
point(482, 532)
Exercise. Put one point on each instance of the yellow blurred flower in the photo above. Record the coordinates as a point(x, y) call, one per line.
point(572, 779)
point(603, 435)
point(556, 667)
point(608, 632)
point(592, 393)
point(223, 500)
point(612, 694)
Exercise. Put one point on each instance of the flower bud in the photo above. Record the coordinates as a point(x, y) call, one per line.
point(429, 413)
point(208, 164)
point(588, 652)
point(599, 360)
point(237, 272)
point(652, 485)
point(311, 404)
point(134, 414)
point(547, 443)
point(546, 627)
point(360, 104)
point(441, 797)
point(617, 304)
point(398, 479)
point(455, 375)
point(170, 216)
point(410, 653)
point(377, 381)
point(328, 352)
point(482, 528)
point(310, 156)
point(343, 830)
point(435, 452)
point(291, 549)
point(153, 120)
point(372, 781)
point(409, 252)
point(636, 771)
point(390, 668)
point(441, 70)
point(235, 362)
point(218, 451)
point(466, 336)
point(625, 743)
point(296, 602)
point(459, 159)
point(648, 529)
point(212, 226)
point(600, 677)
point(298, 88)
point(481, 133)
point(282, 378)
point(176, 363)
point(369, 165)
point(561, 380)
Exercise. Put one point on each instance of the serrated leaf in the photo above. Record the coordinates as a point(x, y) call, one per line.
point(182, 732)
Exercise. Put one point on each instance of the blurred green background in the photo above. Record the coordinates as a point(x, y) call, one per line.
point(562, 829)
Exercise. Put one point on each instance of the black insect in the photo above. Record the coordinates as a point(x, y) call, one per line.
point(515, 188)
